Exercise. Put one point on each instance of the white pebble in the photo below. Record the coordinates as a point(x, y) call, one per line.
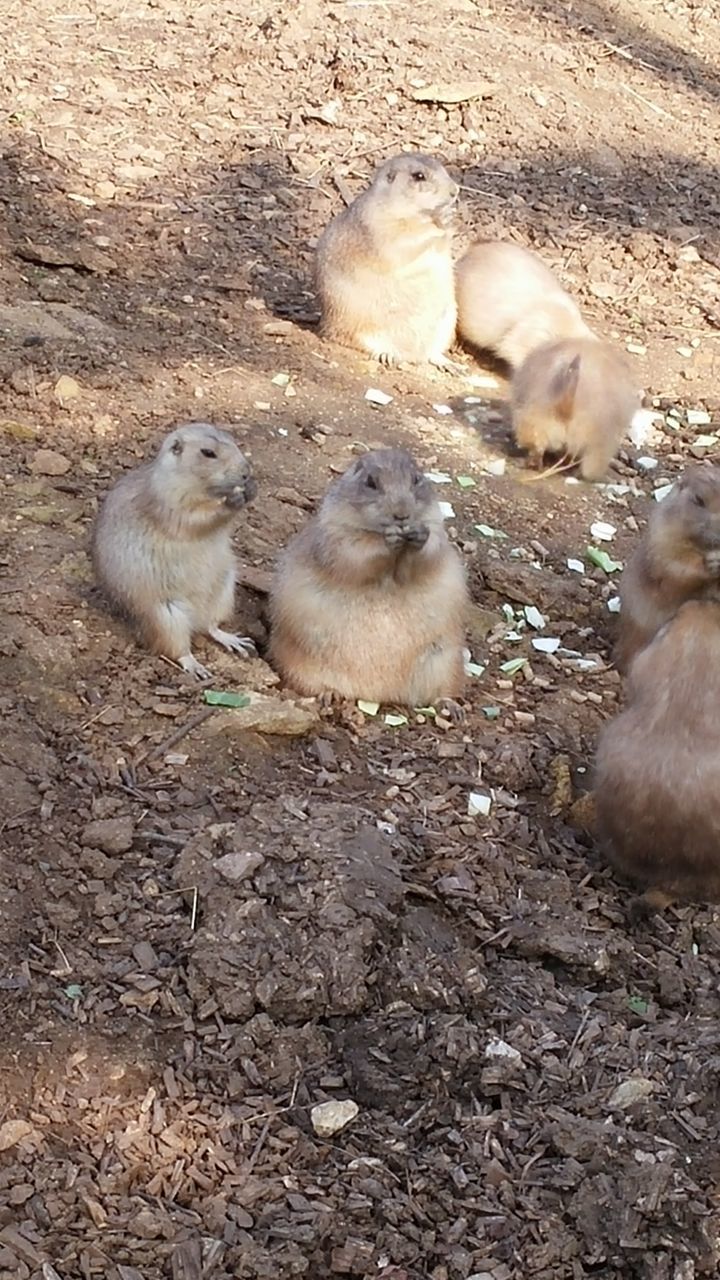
point(330, 1117)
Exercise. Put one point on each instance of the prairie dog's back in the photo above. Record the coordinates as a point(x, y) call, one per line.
point(656, 787)
point(510, 302)
point(576, 396)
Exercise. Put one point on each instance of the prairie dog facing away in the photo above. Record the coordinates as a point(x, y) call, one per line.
point(656, 783)
point(574, 397)
point(509, 302)
point(383, 266)
point(677, 559)
point(162, 549)
point(370, 599)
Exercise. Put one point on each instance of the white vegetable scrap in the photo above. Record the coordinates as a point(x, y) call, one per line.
point(546, 644)
point(479, 804)
point(374, 396)
point(698, 418)
point(534, 617)
point(368, 708)
point(447, 511)
point(603, 531)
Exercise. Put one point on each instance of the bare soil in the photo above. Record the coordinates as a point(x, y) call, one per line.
point(536, 1069)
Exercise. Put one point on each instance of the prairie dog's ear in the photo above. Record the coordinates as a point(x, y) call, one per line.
point(564, 388)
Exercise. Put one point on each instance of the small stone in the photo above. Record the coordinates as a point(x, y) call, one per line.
point(238, 866)
point(330, 1117)
point(278, 328)
point(630, 1092)
point(46, 462)
point(14, 1131)
point(112, 835)
point(105, 190)
point(265, 714)
point(66, 389)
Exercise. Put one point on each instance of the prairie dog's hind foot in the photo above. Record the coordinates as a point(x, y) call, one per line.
point(449, 366)
point(234, 644)
point(450, 710)
point(190, 664)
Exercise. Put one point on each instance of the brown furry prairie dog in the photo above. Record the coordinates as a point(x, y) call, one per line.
point(656, 786)
point(678, 559)
point(162, 549)
point(383, 267)
point(575, 397)
point(370, 598)
point(509, 302)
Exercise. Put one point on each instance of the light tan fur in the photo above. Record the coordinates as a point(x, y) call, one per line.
point(678, 559)
point(162, 550)
point(370, 598)
point(656, 786)
point(509, 302)
point(383, 267)
point(574, 397)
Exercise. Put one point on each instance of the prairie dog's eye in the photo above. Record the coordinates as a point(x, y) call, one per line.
point(419, 176)
point(177, 447)
point(699, 500)
point(418, 478)
point(208, 453)
point(391, 177)
point(371, 482)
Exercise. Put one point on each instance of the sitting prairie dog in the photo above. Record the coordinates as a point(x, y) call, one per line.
point(370, 599)
point(678, 559)
point(656, 783)
point(383, 267)
point(574, 397)
point(509, 302)
point(162, 549)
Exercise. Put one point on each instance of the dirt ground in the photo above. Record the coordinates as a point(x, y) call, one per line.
point(206, 931)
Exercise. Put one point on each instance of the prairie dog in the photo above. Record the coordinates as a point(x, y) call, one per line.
point(509, 302)
point(162, 549)
point(678, 559)
point(656, 786)
point(383, 267)
point(574, 397)
point(370, 599)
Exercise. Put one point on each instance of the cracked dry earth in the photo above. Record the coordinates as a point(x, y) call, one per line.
point(208, 930)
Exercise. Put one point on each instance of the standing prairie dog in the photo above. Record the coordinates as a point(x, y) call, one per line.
point(509, 302)
point(162, 549)
point(678, 559)
point(370, 599)
point(383, 267)
point(574, 397)
point(656, 783)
